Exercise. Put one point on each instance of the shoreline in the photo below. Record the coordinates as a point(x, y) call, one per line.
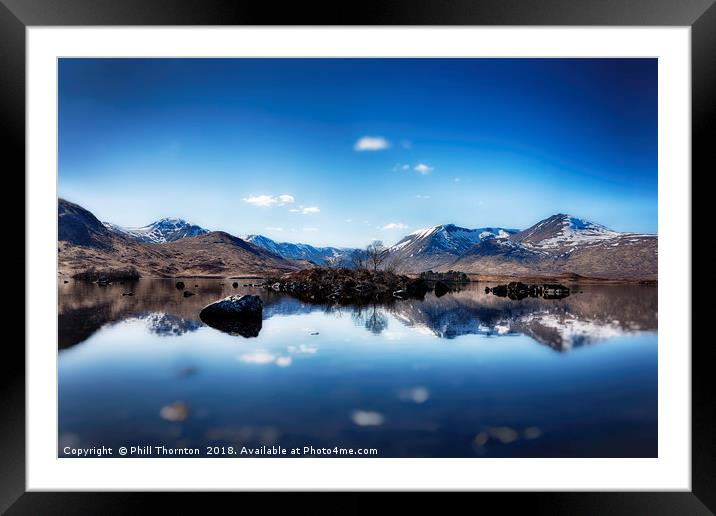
point(473, 278)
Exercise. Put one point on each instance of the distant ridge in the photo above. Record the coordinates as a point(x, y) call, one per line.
point(317, 255)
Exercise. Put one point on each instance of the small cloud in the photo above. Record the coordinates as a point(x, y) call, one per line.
point(422, 168)
point(274, 229)
point(371, 143)
point(395, 225)
point(266, 201)
point(422, 197)
point(348, 220)
point(310, 229)
point(457, 180)
point(306, 210)
point(406, 144)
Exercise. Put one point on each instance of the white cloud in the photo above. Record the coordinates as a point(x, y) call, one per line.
point(371, 143)
point(269, 200)
point(395, 225)
point(422, 168)
point(274, 229)
point(310, 229)
point(306, 210)
point(422, 197)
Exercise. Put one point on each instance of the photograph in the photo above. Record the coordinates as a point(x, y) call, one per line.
point(365, 257)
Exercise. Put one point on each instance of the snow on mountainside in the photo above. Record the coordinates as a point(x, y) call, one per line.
point(161, 231)
point(317, 255)
point(439, 245)
point(565, 244)
point(563, 230)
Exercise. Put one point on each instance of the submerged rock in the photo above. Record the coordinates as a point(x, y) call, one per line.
point(179, 285)
point(234, 284)
point(188, 293)
point(237, 315)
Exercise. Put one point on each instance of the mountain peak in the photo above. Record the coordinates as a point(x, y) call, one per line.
point(167, 229)
point(563, 230)
point(438, 245)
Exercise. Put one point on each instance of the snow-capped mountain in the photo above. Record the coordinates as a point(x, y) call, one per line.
point(317, 255)
point(560, 231)
point(565, 244)
point(439, 245)
point(161, 231)
point(558, 245)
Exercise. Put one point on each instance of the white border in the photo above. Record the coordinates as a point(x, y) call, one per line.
point(670, 471)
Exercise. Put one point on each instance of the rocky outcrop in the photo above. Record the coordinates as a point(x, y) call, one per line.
point(517, 290)
point(320, 285)
point(237, 315)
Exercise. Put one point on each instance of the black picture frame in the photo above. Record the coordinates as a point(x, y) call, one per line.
point(700, 15)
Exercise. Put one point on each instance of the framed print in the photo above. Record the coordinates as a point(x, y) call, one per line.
point(436, 249)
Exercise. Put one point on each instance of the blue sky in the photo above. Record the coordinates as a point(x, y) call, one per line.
point(344, 151)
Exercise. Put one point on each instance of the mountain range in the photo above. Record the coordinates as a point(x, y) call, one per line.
point(85, 243)
point(317, 255)
point(558, 245)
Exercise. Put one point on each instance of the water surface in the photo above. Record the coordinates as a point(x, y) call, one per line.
point(468, 374)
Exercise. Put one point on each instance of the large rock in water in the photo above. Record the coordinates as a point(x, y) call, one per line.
point(417, 288)
point(237, 315)
point(441, 289)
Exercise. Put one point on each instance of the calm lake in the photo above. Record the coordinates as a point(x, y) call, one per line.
point(468, 374)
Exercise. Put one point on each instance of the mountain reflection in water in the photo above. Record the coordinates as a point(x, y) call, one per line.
point(590, 314)
point(468, 374)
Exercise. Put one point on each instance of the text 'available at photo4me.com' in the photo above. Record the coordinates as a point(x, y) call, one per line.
point(217, 451)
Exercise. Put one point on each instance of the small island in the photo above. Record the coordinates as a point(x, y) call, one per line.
point(322, 284)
